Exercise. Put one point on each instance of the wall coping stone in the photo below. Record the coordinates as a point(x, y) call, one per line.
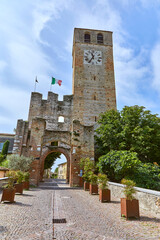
point(149, 191)
point(4, 178)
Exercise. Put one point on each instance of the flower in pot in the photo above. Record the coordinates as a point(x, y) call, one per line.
point(8, 193)
point(19, 182)
point(104, 192)
point(26, 180)
point(93, 187)
point(129, 205)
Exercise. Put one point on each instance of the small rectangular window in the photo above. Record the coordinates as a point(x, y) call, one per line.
point(54, 143)
point(1, 146)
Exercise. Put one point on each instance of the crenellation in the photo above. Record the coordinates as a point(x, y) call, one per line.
point(71, 123)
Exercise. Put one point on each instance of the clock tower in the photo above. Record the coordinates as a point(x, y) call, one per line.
point(93, 75)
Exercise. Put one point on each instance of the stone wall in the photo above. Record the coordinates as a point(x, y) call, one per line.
point(148, 199)
point(93, 85)
point(70, 123)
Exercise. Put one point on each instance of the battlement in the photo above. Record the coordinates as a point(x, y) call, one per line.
point(50, 109)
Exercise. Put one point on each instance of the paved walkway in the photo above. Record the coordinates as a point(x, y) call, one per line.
point(79, 216)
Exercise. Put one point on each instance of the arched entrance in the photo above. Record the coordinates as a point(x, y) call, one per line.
point(55, 149)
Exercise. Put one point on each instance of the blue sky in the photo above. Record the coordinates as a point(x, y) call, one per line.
point(36, 40)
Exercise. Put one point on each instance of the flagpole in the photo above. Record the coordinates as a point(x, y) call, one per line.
point(36, 81)
point(35, 87)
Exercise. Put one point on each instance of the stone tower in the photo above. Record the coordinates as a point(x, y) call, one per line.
point(93, 74)
point(93, 93)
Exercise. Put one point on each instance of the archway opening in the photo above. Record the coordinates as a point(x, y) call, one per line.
point(55, 166)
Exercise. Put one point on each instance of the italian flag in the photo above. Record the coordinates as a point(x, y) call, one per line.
point(56, 81)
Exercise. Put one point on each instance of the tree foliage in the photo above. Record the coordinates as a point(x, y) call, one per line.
point(22, 163)
point(2, 158)
point(134, 129)
point(147, 175)
point(118, 164)
point(50, 159)
point(5, 148)
point(125, 164)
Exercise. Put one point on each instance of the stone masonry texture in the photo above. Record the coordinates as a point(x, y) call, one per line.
point(93, 93)
point(30, 217)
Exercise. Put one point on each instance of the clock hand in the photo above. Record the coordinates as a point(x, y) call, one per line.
point(91, 59)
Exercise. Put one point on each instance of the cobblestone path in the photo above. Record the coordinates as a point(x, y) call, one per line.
point(85, 218)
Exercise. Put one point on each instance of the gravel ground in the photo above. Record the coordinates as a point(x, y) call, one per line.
point(85, 218)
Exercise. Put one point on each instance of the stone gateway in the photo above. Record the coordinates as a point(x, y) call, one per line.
point(68, 126)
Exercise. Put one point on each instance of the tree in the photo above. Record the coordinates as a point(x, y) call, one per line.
point(125, 164)
point(118, 164)
point(5, 148)
point(50, 159)
point(22, 163)
point(134, 129)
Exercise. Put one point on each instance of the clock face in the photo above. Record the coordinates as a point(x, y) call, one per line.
point(92, 57)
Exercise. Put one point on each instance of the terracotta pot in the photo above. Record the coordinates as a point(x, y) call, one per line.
point(93, 189)
point(104, 195)
point(86, 186)
point(19, 188)
point(129, 208)
point(8, 195)
point(81, 182)
point(26, 185)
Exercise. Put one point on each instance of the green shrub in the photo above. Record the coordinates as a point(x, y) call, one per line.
point(4, 163)
point(88, 166)
point(19, 177)
point(21, 163)
point(129, 188)
point(2, 158)
point(118, 164)
point(5, 148)
point(147, 176)
point(26, 176)
point(93, 178)
point(102, 181)
point(125, 164)
point(11, 179)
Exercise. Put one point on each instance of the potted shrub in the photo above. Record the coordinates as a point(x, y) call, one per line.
point(8, 193)
point(104, 192)
point(129, 205)
point(86, 181)
point(93, 187)
point(19, 182)
point(88, 166)
point(26, 180)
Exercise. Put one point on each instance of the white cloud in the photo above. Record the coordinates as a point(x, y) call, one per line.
point(14, 104)
point(3, 65)
point(129, 66)
point(156, 66)
point(27, 61)
point(25, 49)
point(44, 12)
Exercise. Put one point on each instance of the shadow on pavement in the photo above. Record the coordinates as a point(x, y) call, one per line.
point(17, 204)
point(148, 219)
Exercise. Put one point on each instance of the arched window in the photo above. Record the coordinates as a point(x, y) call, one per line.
point(99, 38)
point(61, 119)
point(87, 38)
